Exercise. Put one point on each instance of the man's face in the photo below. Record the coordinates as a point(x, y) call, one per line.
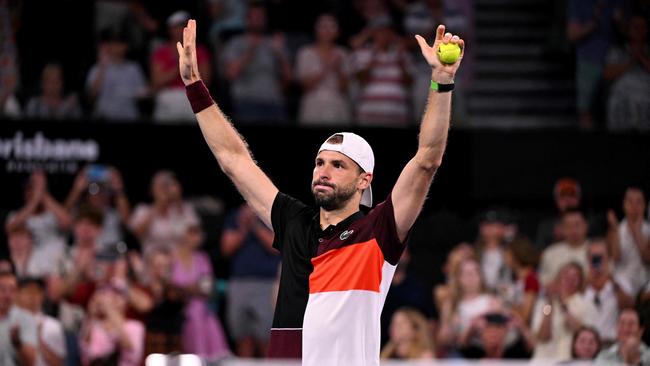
point(628, 325)
point(574, 226)
point(85, 231)
point(336, 179)
point(634, 204)
point(31, 297)
point(493, 335)
point(7, 292)
point(565, 201)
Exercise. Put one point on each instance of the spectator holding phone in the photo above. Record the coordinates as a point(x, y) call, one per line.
point(162, 223)
point(102, 187)
point(608, 294)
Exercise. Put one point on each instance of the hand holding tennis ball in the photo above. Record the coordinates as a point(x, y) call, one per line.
point(444, 64)
point(448, 53)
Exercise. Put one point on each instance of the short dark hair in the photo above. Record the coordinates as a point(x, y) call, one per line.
point(90, 213)
point(26, 281)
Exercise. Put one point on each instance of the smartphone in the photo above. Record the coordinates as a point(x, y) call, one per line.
point(97, 173)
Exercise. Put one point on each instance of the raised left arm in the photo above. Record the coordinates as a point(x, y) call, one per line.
point(413, 183)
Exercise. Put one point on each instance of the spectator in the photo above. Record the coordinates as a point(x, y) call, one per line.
point(51, 349)
point(567, 195)
point(115, 84)
point(628, 349)
point(421, 17)
point(489, 244)
point(628, 68)
point(20, 252)
point(384, 72)
point(253, 62)
point(52, 103)
point(559, 313)
point(254, 265)
point(45, 218)
point(606, 293)
point(493, 333)
point(78, 271)
point(572, 248)
point(629, 240)
point(107, 336)
point(521, 257)
point(171, 101)
point(586, 344)
point(442, 293)
point(591, 28)
point(8, 65)
point(102, 187)
point(162, 224)
point(468, 301)
point(17, 327)
point(192, 272)
point(410, 337)
point(228, 18)
point(322, 69)
point(165, 320)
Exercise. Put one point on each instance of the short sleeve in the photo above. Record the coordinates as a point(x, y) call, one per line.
point(385, 230)
point(138, 216)
point(531, 284)
point(28, 329)
point(52, 334)
point(285, 208)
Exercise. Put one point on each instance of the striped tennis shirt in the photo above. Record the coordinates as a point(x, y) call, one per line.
point(333, 283)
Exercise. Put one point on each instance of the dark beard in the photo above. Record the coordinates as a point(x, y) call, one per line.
point(336, 199)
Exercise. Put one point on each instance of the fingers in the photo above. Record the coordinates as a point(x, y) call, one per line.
point(440, 32)
point(421, 41)
point(446, 38)
point(461, 43)
point(179, 48)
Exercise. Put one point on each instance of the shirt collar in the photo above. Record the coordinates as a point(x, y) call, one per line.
point(341, 225)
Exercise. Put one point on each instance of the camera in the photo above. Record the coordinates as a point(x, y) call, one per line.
point(496, 318)
point(597, 261)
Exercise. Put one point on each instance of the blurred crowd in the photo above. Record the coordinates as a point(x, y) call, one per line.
point(329, 62)
point(95, 280)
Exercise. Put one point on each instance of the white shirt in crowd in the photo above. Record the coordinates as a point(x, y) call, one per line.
point(51, 333)
point(558, 348)
point(606, 306)
point(630, 265)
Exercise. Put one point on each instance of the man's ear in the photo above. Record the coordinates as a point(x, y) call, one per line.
point(365, 180)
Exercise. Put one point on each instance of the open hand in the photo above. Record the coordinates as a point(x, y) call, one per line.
point(442, 73)
point(187, 64)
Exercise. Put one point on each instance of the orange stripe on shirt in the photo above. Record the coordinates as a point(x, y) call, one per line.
point(353, 267)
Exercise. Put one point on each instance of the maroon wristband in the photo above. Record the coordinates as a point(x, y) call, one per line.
point(199, 96)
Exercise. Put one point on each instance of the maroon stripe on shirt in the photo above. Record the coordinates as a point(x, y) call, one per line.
point(285, 343)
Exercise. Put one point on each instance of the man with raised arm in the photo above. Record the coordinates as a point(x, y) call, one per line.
point(337, 263)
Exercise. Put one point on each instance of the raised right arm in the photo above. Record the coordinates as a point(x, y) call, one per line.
point(226, 144)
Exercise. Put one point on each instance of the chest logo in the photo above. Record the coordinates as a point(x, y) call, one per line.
point(346, 234)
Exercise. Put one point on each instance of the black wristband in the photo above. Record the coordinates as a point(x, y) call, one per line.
point(199, 96)
point(441, 88)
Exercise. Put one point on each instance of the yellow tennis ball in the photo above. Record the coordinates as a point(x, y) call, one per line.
point(448, 53)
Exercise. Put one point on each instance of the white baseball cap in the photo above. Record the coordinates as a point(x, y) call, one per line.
point(356, 148)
